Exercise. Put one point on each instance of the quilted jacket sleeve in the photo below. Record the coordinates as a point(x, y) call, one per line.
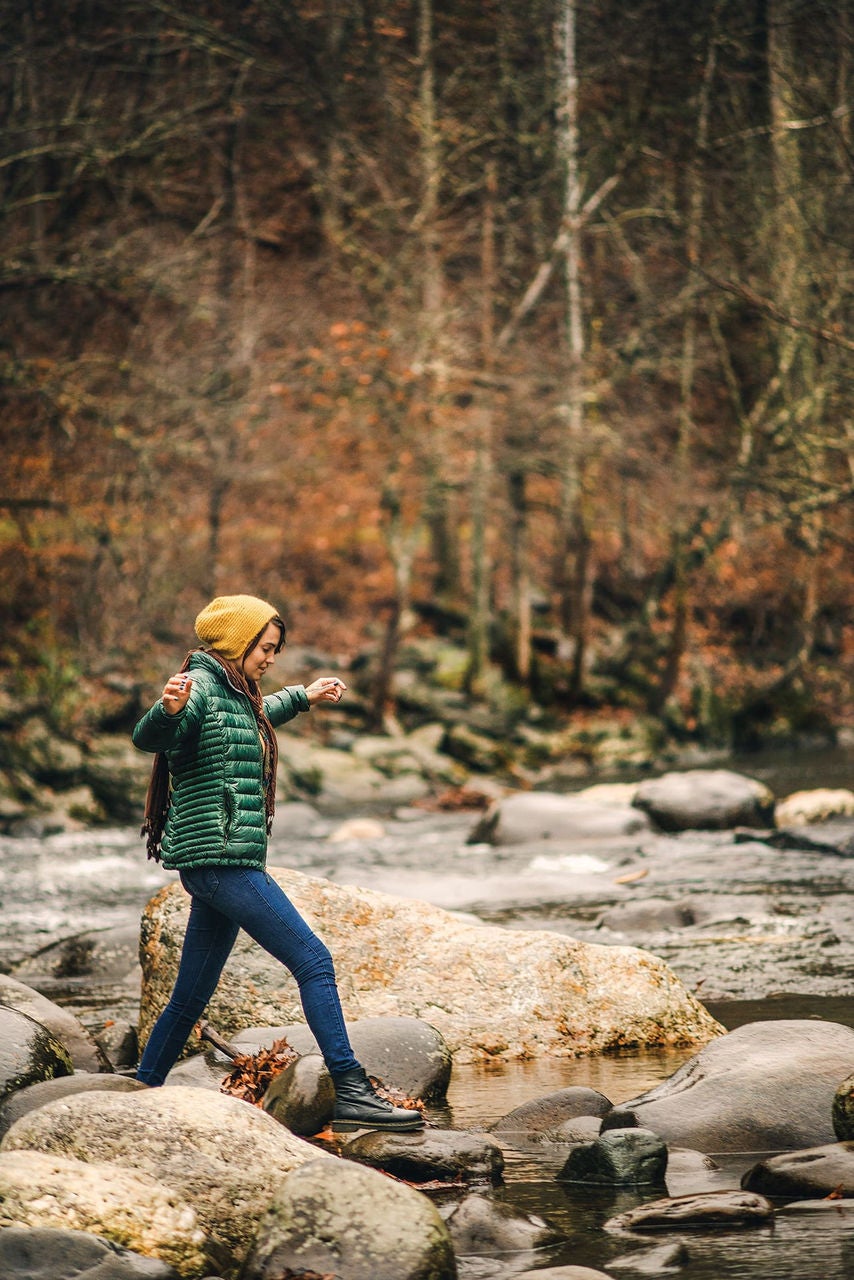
point(286, 704)
point(158, 731)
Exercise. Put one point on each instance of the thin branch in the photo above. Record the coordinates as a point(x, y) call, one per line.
point(774, 312)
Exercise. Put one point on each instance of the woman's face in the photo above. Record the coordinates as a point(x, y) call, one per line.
point(263, 655)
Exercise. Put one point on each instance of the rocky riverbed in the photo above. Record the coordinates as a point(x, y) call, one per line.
point(751, 911)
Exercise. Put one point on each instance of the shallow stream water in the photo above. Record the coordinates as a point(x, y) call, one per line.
point(757, 932)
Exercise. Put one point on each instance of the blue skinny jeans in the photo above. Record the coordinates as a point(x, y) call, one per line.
point(224, 900)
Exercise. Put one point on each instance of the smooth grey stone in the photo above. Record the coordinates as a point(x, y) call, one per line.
point(302, 1097)
point(404, 1053)
point(487, 1227)
point(47, 1254)
point(705, 799)
point(805, 1174)
point(767, 1086)
point(544, 1116)
point(433, 1155)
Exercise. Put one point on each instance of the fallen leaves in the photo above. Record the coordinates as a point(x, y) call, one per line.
point(252, 1073)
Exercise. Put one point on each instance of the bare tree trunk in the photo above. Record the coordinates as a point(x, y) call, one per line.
point(520, 568)
point(573, 547)
point(479, 614)
point(678, 639)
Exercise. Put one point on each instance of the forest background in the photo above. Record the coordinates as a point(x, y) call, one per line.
point(523, 326)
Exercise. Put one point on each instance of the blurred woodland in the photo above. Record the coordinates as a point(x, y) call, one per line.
point(524, 325)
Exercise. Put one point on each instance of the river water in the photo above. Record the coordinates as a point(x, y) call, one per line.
point(757, 932)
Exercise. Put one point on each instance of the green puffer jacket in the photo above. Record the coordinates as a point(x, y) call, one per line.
point(213, 746)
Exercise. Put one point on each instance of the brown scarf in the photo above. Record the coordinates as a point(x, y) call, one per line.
point(159, 792)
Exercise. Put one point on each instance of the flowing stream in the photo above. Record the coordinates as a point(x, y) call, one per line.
point(757, 932)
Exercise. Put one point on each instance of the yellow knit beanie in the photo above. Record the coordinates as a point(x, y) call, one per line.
point(229, 624)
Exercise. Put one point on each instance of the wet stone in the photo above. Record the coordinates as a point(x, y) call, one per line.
point(667, 1259)
point(817, 1171)
point(434, 1155)
point(620, 1157)
point(481, 1225)
point(709, 1209)
point(543, 1118)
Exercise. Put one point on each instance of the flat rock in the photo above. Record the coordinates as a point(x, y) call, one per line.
point(709, 1209)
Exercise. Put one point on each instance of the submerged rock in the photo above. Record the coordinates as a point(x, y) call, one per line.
point(481, 1225)
point(708, 1209)
point(490, 992)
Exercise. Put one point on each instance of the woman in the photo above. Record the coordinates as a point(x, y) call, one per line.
point(208, 814)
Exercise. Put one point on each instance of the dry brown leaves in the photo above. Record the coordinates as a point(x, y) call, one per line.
point(454, 800)
point(252, 1073)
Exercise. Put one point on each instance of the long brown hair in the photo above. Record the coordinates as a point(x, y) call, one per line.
point(158, 797)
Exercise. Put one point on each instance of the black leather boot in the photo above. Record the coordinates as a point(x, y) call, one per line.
point(359, 1106)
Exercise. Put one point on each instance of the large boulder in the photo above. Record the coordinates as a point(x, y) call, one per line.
point(542, 815)
point(491, 993)
point(28, 1052)
point(336, 1218)
point(767, 1086)
point(705, 799)
point(221, 1157)
point(132, 1209)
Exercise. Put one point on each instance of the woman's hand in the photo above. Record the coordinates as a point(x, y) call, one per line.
point(176, 694)
point(325, 689)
